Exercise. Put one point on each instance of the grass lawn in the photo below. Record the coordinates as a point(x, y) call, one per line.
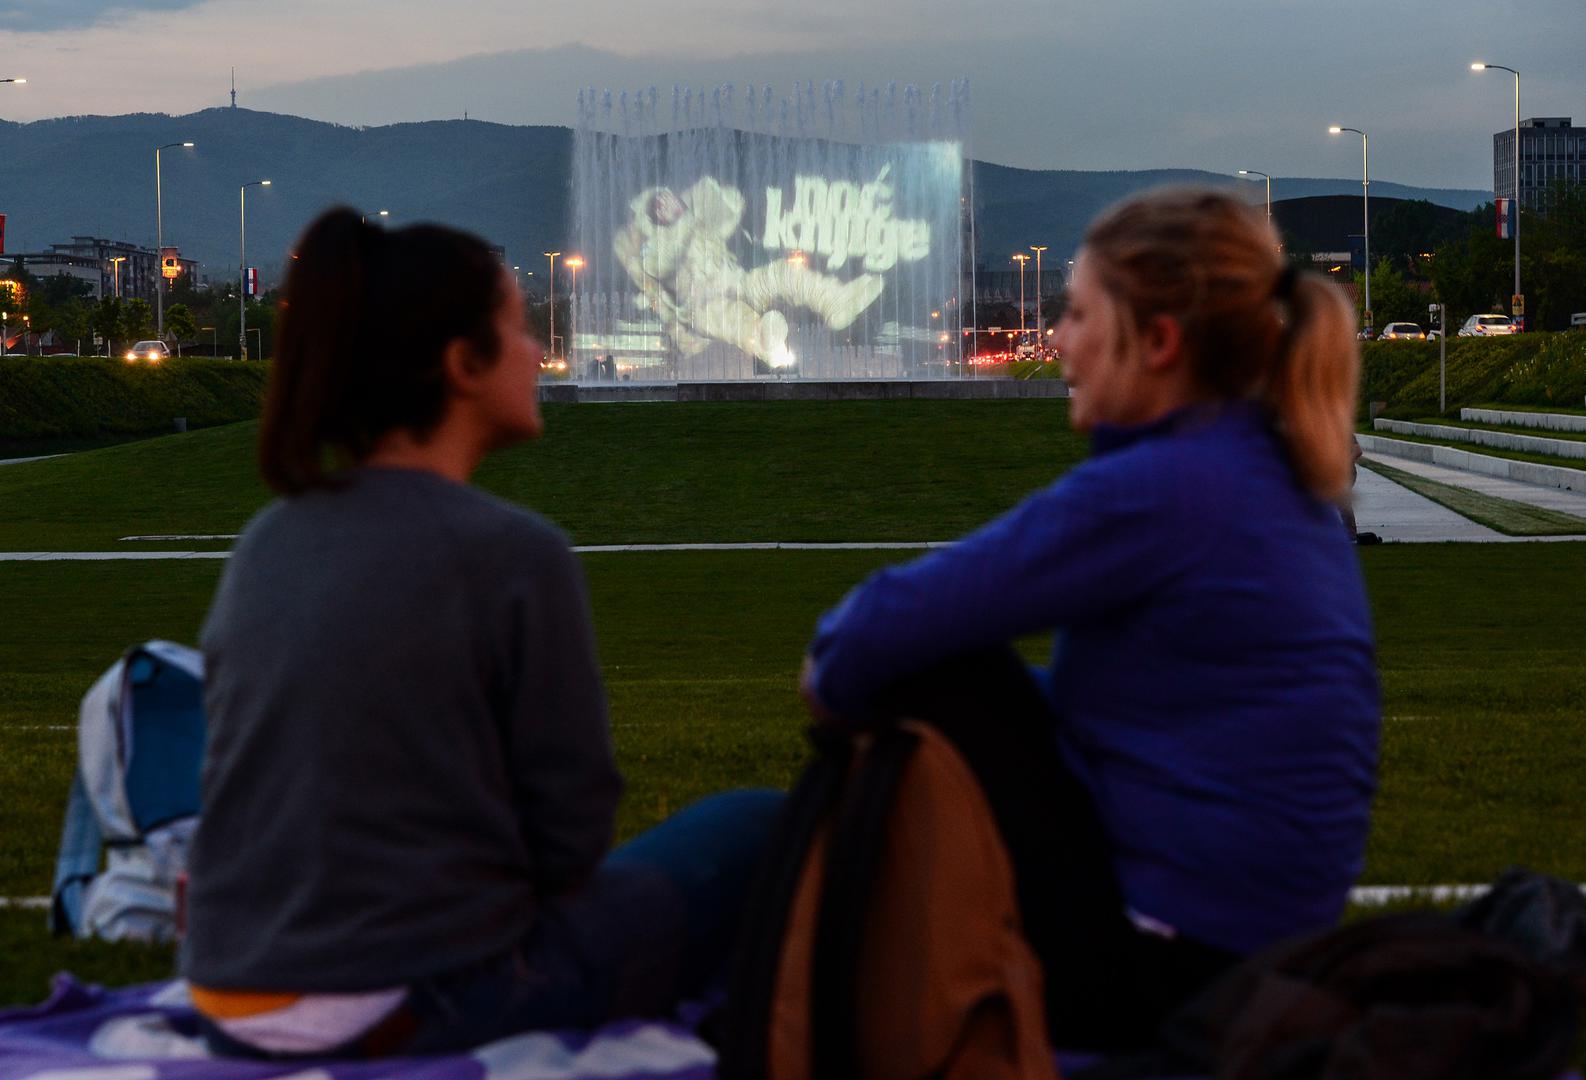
point(1480, 644)
point(915, 470)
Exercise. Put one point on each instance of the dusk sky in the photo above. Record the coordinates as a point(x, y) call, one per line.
point(1127, 84)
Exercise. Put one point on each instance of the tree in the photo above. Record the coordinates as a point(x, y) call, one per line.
point(137, 319)
point(105, 320)
point(180, 324)
point(1392, 298)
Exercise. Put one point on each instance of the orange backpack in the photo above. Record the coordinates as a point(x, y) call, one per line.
point(883, 938)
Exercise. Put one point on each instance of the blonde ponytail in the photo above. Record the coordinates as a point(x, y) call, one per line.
point(1312, 386)
point(1253, 326)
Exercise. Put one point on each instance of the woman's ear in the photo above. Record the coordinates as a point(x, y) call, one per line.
point(1162, 343)
point(462, 368)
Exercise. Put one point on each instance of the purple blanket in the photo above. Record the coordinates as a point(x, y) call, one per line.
point(149, 1033)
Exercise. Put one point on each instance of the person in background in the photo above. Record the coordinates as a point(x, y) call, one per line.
point(1188, 779)
point(409, 788)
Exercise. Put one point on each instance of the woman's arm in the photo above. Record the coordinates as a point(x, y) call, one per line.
point(559, 735)
point(1095, 541)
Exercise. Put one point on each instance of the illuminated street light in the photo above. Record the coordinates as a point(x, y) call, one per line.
point(573, 263)
point(376, 213)
point(1254, 172)
point(1021, 258)
point(1365, 203)
point(115, 272)
point(159, 238)
point(242, 267)
point(17, 80)
point(1515, 217)
point(552, 256)
point(1039, 323)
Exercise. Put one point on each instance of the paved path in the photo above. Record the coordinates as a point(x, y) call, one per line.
point(1396, 513)
point(1549, 498)
point(20, 460)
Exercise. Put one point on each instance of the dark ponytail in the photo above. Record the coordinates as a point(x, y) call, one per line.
point(366, 316)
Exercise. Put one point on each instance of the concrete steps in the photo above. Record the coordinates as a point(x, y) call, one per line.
point(1526, 472)
point(1543, 421)
point(1498, 440)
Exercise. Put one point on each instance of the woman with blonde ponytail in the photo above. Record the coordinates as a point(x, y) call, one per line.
point(1189, 779)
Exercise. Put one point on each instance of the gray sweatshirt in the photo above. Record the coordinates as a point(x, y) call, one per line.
point(408, 738)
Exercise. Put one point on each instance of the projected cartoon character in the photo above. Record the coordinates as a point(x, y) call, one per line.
point(675, 250)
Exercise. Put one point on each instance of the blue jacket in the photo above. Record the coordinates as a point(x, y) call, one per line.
point(1212, 678)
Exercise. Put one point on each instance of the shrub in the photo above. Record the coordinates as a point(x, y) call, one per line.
point(87, 397)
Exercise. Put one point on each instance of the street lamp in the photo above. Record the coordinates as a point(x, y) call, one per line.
point(1515, 220)
point(1365, 204)
point(1039, 324)
point(16, 80)
point(242, 265)
point(115, 273)
point(552, 256)
point(573, 264)
point(159, 238)
point(375, 213)
point(1253, 172)
point(1021, 258)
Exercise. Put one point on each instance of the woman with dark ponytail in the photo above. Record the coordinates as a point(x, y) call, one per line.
point(1190, 778)
point(409, 787)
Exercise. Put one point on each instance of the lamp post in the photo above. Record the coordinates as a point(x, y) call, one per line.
point(1021, 258)
point(572, 264)
point(242, 266)
point(115, 273)
point(1515, 222)
point(1039, 318)
point(552, 256)
point(375, 213)
point(1365, 205)
point(159, 239)
point(5, 333)
point(16, 80)
point(1253, 172)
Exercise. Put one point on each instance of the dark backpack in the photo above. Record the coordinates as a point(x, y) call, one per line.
point(882, 939)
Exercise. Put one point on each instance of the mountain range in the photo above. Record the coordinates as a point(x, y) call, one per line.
point(94, 176)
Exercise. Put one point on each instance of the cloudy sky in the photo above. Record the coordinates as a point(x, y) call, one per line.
point(1120, 84)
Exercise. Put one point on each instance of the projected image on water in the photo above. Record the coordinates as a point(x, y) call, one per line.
point(830, 247)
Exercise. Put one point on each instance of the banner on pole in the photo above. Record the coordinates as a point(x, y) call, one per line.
point(250, 281)
point(2, 234)
point(1505, 212)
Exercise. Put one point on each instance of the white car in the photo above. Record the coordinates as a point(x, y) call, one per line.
point(1401, 331)
point(1487, 326)
point(152, 351)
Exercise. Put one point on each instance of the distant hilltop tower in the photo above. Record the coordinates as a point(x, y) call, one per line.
point(233, 88)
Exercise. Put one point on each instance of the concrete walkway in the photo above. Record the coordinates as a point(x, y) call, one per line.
point(1399, 515)
point(1568, 502)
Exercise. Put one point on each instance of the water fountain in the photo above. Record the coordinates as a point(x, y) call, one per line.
point(730, 234)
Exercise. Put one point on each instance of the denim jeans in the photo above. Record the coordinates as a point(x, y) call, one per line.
point(652, 927)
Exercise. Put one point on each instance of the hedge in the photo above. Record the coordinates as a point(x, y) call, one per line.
point(1538, 369)
point(88, 397)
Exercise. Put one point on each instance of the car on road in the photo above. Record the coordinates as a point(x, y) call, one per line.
point(151, 351)
point(1489, 325)
point(1401, 331)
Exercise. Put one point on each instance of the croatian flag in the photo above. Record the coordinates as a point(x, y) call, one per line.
point(1505, 218)
point(251, 281)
